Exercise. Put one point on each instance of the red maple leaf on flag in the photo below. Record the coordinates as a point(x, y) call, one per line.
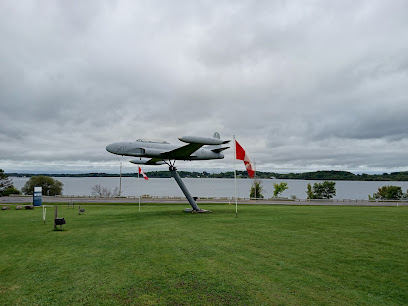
point(241, 155)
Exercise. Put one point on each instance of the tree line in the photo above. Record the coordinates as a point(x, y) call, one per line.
point(325, 190)
point(316, 175)
point(50, 186)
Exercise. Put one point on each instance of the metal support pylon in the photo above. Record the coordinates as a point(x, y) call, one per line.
point(183, 188)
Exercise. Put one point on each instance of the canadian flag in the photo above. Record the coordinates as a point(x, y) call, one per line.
point(241, 154)
point(142, 173)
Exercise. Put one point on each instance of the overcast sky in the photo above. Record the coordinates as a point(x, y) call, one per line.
point(304, 85)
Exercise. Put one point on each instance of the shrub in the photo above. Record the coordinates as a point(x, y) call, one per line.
point(256, 190)
point(388, 193)
point(279, 188)
point(325, 190)
point(10, 190)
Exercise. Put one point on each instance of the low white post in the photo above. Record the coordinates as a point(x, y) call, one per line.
point(44, 213)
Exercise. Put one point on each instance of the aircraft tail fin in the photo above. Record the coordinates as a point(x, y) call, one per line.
point(217, 148)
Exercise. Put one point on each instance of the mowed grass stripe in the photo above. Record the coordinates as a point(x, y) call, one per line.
point(114, 254)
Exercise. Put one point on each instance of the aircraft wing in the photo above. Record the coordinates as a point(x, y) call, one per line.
point(182, 152)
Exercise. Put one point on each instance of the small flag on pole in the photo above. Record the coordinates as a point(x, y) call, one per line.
point(241, 155)
point(142, 173)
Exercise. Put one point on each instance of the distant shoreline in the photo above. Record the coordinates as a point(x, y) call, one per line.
point(315, 176)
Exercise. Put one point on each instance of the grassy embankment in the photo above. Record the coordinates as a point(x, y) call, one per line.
point(268, 255)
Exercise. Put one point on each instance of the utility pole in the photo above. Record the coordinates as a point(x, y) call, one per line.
point(120, 179)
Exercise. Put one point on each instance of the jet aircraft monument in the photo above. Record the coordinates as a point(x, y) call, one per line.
point(159, 152)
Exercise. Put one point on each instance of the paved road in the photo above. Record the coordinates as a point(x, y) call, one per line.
point(84, 200)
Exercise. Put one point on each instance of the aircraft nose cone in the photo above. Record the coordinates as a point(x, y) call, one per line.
point(110, 148)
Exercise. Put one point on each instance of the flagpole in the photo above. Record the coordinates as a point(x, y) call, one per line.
point(235, 177)
point(255, 177)
point(138, 182)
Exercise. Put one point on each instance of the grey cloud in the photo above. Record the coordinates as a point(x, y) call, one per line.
point(302, 85)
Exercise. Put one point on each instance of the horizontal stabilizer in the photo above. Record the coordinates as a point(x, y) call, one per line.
point(153, 162)
point(218, 150)
point(203, 140)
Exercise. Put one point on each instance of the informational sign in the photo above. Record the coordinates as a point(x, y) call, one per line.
point(37, 196)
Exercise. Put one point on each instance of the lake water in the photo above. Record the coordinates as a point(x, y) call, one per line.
point(209, 187)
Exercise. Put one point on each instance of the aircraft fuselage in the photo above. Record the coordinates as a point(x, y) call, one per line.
point(159, 150)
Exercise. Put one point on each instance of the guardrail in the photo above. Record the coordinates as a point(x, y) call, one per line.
point(226, 198)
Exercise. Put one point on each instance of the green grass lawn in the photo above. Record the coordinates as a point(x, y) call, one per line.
point(287, 255)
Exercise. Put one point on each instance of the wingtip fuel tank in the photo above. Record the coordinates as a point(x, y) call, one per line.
point(203, 140)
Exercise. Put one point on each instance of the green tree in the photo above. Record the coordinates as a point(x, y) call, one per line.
point(309, 192)
point(256, 189)
point(6, 185)
point(279, 188)
point(388, 193)
point(405, 195)
point(49, 185)
point(325, 190)
point(5, 181)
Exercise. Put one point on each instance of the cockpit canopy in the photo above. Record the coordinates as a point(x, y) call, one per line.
point(152, 140)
